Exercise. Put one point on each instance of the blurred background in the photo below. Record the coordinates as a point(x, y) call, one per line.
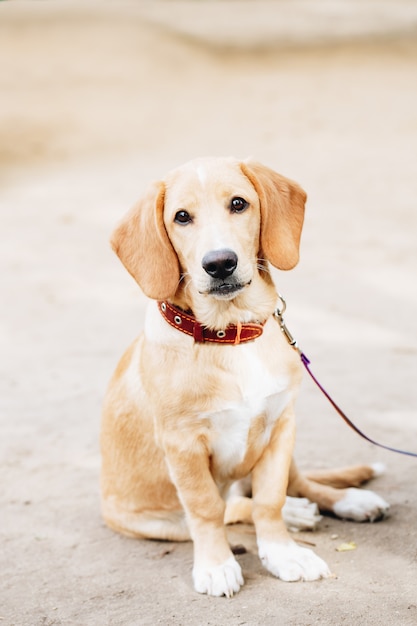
point(97, 99)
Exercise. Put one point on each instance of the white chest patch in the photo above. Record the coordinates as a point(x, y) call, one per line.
point(263, 397)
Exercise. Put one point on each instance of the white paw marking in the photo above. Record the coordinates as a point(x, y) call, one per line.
point(300, 514)
point(219, 580)
point(291, 562)
point(361, 505)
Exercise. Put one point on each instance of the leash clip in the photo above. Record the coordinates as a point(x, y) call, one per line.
point(278, 314)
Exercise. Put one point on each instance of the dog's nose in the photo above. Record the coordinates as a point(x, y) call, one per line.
point(220, 263)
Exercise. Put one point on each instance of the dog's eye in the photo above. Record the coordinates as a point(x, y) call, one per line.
point(238, 205)
point(182, 217)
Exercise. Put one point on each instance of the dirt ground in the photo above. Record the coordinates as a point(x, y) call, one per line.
point(96, 100)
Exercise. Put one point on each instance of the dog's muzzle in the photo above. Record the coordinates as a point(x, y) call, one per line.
point(220, 265)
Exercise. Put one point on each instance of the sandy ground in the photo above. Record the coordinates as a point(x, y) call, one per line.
point(96, 101)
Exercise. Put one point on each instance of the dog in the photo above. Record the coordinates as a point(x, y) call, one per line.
point(204, 398)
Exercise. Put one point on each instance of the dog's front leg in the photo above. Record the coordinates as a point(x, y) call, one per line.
point(277, 551)
point(216, 571)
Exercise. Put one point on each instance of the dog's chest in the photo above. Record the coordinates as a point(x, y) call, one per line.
point(241, 430)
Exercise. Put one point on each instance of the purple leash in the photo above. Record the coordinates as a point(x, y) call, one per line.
point(278, 313)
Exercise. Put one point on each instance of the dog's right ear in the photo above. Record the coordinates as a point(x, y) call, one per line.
point(142, 244)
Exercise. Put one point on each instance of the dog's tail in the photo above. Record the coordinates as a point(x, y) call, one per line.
point(343, 477)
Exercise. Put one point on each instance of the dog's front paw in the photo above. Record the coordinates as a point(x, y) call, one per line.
point(291, 562)
point(219, 580)
point(361, 505)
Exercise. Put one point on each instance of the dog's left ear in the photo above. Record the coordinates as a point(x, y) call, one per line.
point(282, 214)
point(142, 244)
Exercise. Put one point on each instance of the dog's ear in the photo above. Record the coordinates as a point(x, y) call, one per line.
point(282, 213)
point(142, 244)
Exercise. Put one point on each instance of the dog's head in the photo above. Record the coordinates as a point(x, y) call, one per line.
point(210, 227)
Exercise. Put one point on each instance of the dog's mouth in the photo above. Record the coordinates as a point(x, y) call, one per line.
point(226, 291)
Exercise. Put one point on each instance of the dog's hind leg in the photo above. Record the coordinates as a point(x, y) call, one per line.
point(297, 513)
point(348, 503)
point(238, 510)
point(163, 525)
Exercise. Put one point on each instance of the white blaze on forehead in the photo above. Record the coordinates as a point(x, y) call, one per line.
point(214, 237)
point(202, 174)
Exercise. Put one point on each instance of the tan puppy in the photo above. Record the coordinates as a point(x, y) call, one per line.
point(205, 397)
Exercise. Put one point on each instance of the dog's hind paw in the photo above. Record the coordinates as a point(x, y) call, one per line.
point(219, 580)
point(290, 562)
point(361, 505)
point(300, 514)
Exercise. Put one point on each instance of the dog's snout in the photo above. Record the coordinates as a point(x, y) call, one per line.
point(220, 263)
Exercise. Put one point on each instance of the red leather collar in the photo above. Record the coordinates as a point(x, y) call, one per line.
point(186, 323)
